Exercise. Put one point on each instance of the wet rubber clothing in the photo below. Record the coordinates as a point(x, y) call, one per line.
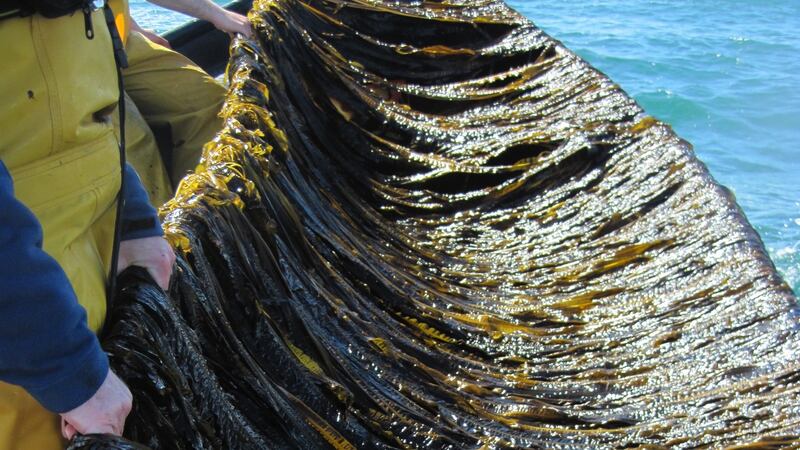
point(167, 91)
point(58, 144)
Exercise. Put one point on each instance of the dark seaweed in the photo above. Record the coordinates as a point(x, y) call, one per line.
point(429, 225)
point(103, 442)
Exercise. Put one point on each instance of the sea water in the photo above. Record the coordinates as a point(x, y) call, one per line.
point(725, 75)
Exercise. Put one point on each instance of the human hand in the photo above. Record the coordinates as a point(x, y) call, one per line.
point(151, 253)
point(149, 34)
point(104, 412)
point(231, 22)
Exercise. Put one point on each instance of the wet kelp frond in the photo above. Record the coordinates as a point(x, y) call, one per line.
point(429, 225)
point(103, 442)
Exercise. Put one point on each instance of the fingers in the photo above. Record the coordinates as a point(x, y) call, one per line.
point(163, 42)
point(153, 254)
point(168, 262)
point(231, 23)
point(154, 37)
point(67, 430)
point(160, 265)
point(104, 412)
point(246, 29)
point(161, 277)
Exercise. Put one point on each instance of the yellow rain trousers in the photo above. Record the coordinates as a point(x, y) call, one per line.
point(57, 140)
point(167, 90)
point(164, 89)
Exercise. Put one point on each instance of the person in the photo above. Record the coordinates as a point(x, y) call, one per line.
point(164, 89)
point(59, 181)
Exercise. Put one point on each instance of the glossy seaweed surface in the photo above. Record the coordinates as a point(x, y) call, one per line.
point(430, 225)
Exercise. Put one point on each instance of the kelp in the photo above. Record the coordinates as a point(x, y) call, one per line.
point(430, 225)
point(103, 442)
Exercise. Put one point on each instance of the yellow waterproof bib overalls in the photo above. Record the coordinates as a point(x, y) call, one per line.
point(57, 88)
point(164, 88)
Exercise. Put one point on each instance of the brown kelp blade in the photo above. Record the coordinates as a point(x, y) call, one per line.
point(430, 225)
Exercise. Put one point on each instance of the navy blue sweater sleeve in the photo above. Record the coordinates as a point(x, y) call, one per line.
point(45, 344)
point(139, 218)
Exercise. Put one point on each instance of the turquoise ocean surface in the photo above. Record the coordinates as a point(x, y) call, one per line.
point(724, 74)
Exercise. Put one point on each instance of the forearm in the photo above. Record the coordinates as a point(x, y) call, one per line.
point(227, 21)
point(199, 9)
point(45, 344)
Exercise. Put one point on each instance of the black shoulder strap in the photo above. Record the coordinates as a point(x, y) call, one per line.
point(122, 62)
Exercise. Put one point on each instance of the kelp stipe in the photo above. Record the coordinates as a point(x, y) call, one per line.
point(103, 442)
point(430, 225)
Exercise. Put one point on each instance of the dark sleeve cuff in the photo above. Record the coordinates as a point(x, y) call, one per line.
point(139, 218)
point(76, 388)
point(138, 229)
